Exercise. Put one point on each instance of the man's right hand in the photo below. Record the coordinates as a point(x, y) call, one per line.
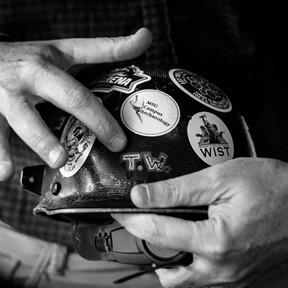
point(29, 70)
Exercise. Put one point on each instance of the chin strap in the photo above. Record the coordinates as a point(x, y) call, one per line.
point(150, 269)
point(185, 261)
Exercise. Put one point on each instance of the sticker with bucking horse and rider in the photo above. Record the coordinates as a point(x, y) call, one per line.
point(210, 138)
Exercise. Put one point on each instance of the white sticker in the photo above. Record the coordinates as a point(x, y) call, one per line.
point(150, 113)
point(200, 90)
point(210, 138)
point(78, 141)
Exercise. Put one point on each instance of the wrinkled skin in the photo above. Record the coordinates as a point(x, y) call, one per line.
point(30, 71)
point(246, 232)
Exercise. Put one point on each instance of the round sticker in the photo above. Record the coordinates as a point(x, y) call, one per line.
point(78, 141)
point(200, 90)
point(210, 138)
point(150, 113)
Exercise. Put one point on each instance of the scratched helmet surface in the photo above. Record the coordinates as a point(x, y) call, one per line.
point(176, 123)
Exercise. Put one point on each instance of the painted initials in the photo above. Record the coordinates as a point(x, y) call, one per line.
point(152, 164)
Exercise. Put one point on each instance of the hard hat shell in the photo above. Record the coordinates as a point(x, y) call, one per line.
point(176, 123)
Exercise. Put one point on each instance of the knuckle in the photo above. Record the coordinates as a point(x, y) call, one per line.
point(4, 98)
point(77, 99)
point(167, 284)
point(14, 107)
point(221, 249)
point(46, 51)
point(7, 173)
point(36, 52)
point(32, 64)
point(22, 54)
point(219, 252)
point(101, 126)
point(217, 176)
point(39, 143)
point(230, 275)
point(172, 192)
point(114, 44)
point(215, 173)
point(39, 52)
point(50, 53)
point(115, 51)
point(104, 129)
point(43, 144)
point(151, 232)
point(36, 57)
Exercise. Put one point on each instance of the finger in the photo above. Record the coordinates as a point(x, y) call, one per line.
point(177, 277)
point(28, 124)
point(201, 273)
point(205, 273)
point(196, 237)
point(189, 190)
point(6, 163)
point(64, 91)
point(103, 50)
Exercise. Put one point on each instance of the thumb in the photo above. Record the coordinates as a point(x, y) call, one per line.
point(194, 189)
point(6, 163)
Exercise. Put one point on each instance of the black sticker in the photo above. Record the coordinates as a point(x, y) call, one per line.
point(121, 79)
point(200, 90)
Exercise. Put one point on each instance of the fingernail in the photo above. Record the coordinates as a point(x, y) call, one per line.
point(57, 157)
point(117, 143)
point(140, 196)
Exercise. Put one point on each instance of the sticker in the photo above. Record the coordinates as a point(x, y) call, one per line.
point(140, 160)
point(78, 141)
point(121, 79)
point(210, 138)
point(150, 113)
point(200, 90)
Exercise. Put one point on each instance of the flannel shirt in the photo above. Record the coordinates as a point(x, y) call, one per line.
point(211, 38)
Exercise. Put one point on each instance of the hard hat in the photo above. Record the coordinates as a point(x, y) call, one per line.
point(176, 123)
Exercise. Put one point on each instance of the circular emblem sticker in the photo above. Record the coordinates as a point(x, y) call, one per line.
point(78, 141)
point(150, 113)
point(200, 90)
point(210, 138)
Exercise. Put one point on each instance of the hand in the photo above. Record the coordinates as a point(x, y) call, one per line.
point(245, 236)
point(29, 70)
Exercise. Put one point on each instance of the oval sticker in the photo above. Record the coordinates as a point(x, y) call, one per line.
point(210, 138)
point(150, 113)
point(78, 141)
point(200, 89)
